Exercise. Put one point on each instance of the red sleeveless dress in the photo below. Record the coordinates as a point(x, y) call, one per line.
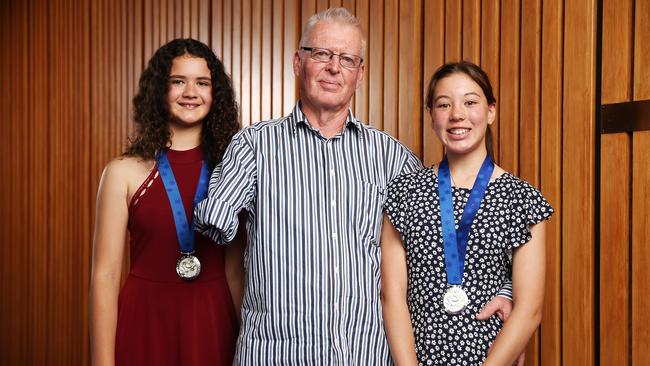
point(163, 320)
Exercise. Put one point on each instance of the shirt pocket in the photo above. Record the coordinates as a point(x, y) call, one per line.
point(368, 208)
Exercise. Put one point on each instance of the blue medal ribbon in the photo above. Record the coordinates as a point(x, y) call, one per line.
point(184, 231)
point(455, 241)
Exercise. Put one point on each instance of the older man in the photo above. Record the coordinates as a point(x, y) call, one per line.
point(313, 187)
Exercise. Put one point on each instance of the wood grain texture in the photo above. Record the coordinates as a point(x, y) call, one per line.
point(471, 34)
point(391, 65)
point(375, 64)
point(641, 193)
point(453, 30)
point(410, 76)
point(578, 203)
point(433, 55)
point(509, 81)
point(615, 194)
point(81, 69)
point(551, 177)
point(640, 248)
point(490, 46)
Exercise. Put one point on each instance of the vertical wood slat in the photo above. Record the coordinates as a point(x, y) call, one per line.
point(375, 64)
point(529, 116)
point(246, 63)
point(578, 202)
point(236, 45)
point(410, 75)
point(217, 29)
point(292, 31)
point(453, 30)
point(615, 188)
point(640, 249)
point(5, 285)
point(433, 56)
point(256, 59)
point(278, 59)
point(641, 193)
point(471, 48)
point(361, 95)
point(37, 176)
point(508, 123)
point(490, 45)
point(267, 54)
point(391, 64)
point(551, 177)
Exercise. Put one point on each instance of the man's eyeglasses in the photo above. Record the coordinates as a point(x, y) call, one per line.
point(324, 55)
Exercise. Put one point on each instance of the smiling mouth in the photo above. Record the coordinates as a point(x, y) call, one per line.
point(189, 106)
point(458, 131)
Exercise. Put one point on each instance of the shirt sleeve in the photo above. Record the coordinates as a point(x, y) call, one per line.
point(528, 207)
point(506, 290)
point(396, 206)
point(231, 189)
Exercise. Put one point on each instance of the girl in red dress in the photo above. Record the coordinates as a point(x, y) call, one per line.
point(169, 312)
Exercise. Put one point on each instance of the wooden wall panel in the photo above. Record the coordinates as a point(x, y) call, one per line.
point(472, 31)
point(410, 75)
point(490, 46)
point(38, 182)
point(453, 30)
point(540, 56)
point(641, 193)
point(615, 184)
point(391, 65)
point(578, 199)
point(360, 104)
point(508, 99)
point(433, 56)
point(375, 64)
point(551, 176)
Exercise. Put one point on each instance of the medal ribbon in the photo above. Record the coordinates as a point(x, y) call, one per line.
point(456, 240)
point(184, 231)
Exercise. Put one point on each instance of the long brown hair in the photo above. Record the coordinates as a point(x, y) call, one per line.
point(475, 73)
point(151, 111)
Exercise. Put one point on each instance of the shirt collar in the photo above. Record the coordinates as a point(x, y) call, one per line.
point(298, 118)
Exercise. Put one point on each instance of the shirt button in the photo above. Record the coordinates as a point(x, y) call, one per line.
point(334, 236)
point(332, 172)
point(333, 203)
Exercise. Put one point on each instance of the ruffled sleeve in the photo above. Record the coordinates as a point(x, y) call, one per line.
point(397, 197)
point(528, 207)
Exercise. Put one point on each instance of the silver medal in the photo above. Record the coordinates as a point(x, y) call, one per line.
point(455, 300)
point(188, 267)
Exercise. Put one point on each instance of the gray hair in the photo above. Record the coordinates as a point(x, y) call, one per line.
point(337, 15)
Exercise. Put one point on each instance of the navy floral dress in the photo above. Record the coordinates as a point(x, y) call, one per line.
point(508, 209)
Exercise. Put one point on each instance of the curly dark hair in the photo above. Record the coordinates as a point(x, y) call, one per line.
point(151, 111)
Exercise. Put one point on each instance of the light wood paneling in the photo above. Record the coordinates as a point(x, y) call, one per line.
point(472, 31)
point(490, 46)
point(375, 64)
point(410, 75)
point(508, 121)
point(615, 180)
point(433, 55)
point(391, 64)
point(81, 69)
point(578, 198)
point(641, 193)
point(551, 176)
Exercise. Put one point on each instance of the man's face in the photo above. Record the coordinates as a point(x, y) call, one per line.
point(328, 86)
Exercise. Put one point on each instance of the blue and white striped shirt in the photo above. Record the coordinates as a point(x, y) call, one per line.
point(314, 214)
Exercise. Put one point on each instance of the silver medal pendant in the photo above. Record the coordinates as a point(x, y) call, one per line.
point(455, 300)
point(188, 267)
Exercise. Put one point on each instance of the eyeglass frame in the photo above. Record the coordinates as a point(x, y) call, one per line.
point(332, 54)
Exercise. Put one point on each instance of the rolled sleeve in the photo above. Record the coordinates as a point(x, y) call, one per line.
point(231, 189)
